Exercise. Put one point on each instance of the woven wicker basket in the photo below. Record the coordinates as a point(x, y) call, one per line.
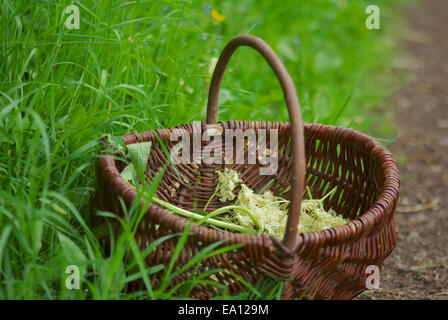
point(329, 264)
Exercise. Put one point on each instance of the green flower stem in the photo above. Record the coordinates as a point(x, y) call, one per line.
point(328, 194)
point(195, 216)
point(228, 208)
point(308, 190)
point(208, 202)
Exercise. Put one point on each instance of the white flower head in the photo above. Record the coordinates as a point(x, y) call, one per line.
point(265, 208)
point(270, 211)
point(228, 180)
point(272, 214)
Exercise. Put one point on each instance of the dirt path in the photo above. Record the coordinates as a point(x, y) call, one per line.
point(418, 268)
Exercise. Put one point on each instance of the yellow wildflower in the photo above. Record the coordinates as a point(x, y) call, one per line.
point(217, 16)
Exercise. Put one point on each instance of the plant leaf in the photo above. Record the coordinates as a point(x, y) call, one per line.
point(138, 153)
point(72, 253)
point(129, 174)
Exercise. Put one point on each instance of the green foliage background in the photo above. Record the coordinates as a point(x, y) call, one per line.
point(139, 65)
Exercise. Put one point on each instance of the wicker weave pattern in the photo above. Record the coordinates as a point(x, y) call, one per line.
point(329, 264)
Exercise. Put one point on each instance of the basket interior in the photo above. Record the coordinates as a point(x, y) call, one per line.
point(333, 160)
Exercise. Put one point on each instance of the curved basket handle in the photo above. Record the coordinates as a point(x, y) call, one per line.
point(289, 92)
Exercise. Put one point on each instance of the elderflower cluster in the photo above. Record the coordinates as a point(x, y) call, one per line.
point(227, 181)
point(313, 217)
point(270, 211)
point(265, 208)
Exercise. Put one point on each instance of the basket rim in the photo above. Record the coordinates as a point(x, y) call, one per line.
point(361, 225)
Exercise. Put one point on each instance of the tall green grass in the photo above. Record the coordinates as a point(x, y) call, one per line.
point(139, 65)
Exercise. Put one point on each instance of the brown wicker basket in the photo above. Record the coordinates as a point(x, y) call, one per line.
point(329, 264)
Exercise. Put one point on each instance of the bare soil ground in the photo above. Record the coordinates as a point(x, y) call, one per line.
point(418, 268)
